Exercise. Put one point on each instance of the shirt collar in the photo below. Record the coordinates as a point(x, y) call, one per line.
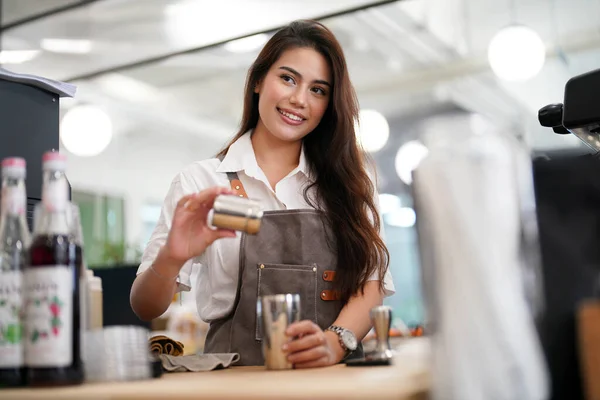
point(241, 157)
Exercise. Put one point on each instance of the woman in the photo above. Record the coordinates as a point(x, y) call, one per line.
point(296, 153)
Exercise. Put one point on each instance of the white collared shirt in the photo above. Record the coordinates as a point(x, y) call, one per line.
point(217, 268)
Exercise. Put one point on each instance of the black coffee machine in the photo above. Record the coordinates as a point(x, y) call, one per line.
point(567, 186)
point(579, 114)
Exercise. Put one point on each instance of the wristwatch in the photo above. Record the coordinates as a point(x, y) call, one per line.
point(346, 337)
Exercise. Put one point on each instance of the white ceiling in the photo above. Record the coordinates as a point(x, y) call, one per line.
point(404, 57)
point(125, 31)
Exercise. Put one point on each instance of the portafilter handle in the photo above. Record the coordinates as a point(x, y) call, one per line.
point(551, 116)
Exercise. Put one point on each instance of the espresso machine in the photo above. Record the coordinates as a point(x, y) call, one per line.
point(579, 114)
point(567, 189)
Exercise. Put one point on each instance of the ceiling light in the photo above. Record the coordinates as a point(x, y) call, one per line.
point(67, 46)
point(86, 130)
point(17, 56)
point(247, 44)
point(181, 24)
point(404, 217)
point(372, 130)
point(408, 158)
point(189, 24)
point(516, 53)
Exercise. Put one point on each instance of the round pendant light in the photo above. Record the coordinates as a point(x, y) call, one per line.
point(372, 131)
point(86, 130)
point(516, 53)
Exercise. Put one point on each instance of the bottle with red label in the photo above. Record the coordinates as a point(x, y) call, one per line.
point(51, 287)
point(14, 241)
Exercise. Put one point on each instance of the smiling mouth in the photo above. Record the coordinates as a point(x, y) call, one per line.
point(291, 116)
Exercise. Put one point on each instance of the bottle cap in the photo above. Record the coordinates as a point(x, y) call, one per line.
point(54, 160)
point(14, 167)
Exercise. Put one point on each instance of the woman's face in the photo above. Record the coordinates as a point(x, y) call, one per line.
point(294, 94)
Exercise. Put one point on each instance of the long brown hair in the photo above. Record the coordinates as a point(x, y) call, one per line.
point(343, 187)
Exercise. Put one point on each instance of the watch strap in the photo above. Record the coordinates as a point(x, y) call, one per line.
point(338, 330)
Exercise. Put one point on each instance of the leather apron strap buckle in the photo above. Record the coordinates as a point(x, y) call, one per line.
point(236, 185)
point(235, 182)
point(328, 276)
point(330, 295)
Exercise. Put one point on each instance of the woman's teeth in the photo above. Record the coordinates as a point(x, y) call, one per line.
point(291, 116)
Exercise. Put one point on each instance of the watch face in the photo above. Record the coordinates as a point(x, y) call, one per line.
point(349, 340)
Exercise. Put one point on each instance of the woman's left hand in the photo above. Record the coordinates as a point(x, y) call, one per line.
point(312, 347)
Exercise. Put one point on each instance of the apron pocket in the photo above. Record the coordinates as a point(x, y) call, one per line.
point(289, 278)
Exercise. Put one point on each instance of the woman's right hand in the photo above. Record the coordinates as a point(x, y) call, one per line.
point(190, 233)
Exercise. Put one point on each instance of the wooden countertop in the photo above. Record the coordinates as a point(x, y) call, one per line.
point(407, 379)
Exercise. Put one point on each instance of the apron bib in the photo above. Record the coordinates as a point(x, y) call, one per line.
point(293, 252)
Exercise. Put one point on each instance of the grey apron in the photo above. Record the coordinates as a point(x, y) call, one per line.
point(292, 253)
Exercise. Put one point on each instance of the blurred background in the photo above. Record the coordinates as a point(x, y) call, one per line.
point(160, 85)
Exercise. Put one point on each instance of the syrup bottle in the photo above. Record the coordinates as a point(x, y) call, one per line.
point(14, 241)
point(52, 279)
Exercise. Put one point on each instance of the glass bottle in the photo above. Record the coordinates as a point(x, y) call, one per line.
point(52, 282)
point(14, 240)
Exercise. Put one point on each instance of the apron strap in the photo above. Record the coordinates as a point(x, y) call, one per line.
point(234, 181)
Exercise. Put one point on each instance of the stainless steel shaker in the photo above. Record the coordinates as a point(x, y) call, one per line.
point(276, 313)
point(237, 213)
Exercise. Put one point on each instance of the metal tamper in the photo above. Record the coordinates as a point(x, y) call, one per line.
point(381, 318)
